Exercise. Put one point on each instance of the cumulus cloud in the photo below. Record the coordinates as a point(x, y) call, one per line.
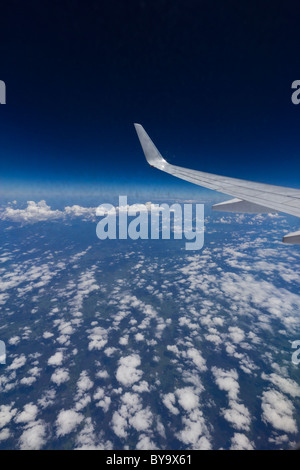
point(67, 421)
point(56, 359)
point(14, 340)
point(4, 434)
point(131, 413)
point(88, 440)
point(34, 436)
point(238, 415)
point(236, 334)
point(284, 384)
point(187, 398)
point(40, 212)
point(227, 380)
point(84, 383)
point(60, 376)
point(28, 414)
point(103, 401)
point(195, 433)
point(98, 338)
point(34, 212)
point(197, 359)
point(17, 363)
point(241, 442)
point(128, 372)
point(169, 400)
point(278, 411)
point(7, 412)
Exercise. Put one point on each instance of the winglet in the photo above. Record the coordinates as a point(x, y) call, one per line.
point(152, 155)
point(292, 238)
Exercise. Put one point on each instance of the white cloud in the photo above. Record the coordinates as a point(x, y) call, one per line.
point(40, 211)
point(238, 415)
point(227, 380)
point(60, 376)
point(34, 436)
point(197, 359)
point(67, 421)
point(285, 385)
point(169, 401)
point(241, 442)
point(84, 383)
point(187, 398)
point(56, 359)
point(34, 212)
point(14, 340)
point(4, 434)
point(18, 362)
point(7, 412)
point(98, 338)
point(127, 372)
point(278, 411)
point(195, 434)
point(28, 414)
point(236, 334)
point(145, 443)
point(47, 335)
point(131, 414)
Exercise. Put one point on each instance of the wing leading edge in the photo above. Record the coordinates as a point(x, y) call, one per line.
point(249, 197)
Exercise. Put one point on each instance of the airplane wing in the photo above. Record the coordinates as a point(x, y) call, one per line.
point(249, 197)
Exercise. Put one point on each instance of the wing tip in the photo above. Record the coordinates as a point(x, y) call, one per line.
point(152, 154)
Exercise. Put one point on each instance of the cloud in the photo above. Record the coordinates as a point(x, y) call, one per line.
point(34, 437)
point(88, 440)
point(14, 340)
point(4, 434)
point(98, 338)
point(84, 383)
point(56, 359)
point(41, 212)
point(285, 385)
point(241, 442)
point(131, 414)
point(28, 414)
point(169, 401)
point(187, 398)
point(238, 415)
point(7, 412)
point(127, 372)
point(67, 421)
point(236, 334)
point(278, 411)
point(227, 380)
point(139, 337)
point(34, 212)
point(119, 425)
point(18, 362)
point(141, 420)
point(197, 359)
point(145, 443)
point(194, 434)
point(60, 376)
point(143, 386)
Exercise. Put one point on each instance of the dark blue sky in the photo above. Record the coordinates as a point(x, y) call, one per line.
point(209, 80)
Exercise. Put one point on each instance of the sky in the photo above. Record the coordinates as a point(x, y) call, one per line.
point(209, 80)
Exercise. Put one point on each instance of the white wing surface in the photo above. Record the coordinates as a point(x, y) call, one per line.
point(249, 197)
